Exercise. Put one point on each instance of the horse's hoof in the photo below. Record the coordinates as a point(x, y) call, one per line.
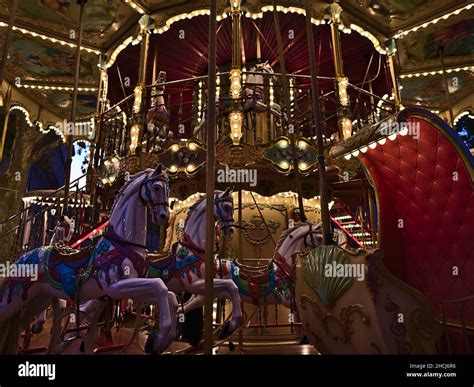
point(225, 330)
point(37, 327)
point(149, 348)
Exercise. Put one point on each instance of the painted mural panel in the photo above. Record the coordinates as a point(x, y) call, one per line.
point(86, 103)
point(43, 60)
point(102, 17)
point(430, 91)
point(456, 37)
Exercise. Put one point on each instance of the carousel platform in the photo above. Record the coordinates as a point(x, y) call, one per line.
point(39, 343)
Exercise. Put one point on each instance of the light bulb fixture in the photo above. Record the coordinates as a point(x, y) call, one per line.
point(342, 83)
point(137, 103)
point(134, 132)
point(235, 83)
point(235, 120)
point(283, 144)
point(346, 125)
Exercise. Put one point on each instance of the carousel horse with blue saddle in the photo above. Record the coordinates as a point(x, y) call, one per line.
point(115, 266)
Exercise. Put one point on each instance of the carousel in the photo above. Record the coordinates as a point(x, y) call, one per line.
point(237, 177)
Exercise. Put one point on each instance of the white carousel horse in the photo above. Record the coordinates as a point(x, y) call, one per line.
point(268, 284)
point(115, 267)
point(254, 97)
point(158, 114)
point(62, 234)
point(202, 124)
point(183, 269)
point(63, 231)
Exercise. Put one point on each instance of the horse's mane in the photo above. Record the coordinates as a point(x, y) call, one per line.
point(287, 232)
point(127, 184)
point(193, 207)
point(196, 204)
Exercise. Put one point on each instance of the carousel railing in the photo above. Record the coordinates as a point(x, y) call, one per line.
point(173, 110)
point(30, 227)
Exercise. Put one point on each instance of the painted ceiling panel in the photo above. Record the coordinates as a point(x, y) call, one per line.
point(456, 36)
point(393, 15)
point(103, 18)
point(430, 91)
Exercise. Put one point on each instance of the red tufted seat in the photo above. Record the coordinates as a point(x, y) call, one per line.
point(414, 180)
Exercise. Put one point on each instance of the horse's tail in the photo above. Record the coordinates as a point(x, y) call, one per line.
point(10, 329)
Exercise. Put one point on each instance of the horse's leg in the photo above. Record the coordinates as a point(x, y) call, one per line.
point(196, 301)
point(232, 292)
point(149, 291)
point(37, 308)
point(11, 316)
point(173, 302)
point(37, 326)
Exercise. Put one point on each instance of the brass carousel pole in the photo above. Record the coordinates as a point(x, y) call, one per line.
point(343, 110)
point(323, 183)
point(95, 144)
point(240, 256)
point(286, 99)
point(137, 130)
point(70, 137)
point(446, 86)
point(210, 182)
point(6, 48)
point(390, 45)
point(236, 116)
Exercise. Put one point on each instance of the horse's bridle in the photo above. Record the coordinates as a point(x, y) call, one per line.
point(310, 234)
point(220, 216)
point(148, 198)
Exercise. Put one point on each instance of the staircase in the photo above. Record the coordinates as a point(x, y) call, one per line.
point(31, 227)
point(360, 234)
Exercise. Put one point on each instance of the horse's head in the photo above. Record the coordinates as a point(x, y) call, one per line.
point(154, 193)
point(224, 210)
point(264, 67)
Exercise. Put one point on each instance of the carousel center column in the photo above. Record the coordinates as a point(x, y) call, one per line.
point(344, 109)
point(137, 129)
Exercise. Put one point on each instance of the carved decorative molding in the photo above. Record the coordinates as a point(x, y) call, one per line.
point(338, 329)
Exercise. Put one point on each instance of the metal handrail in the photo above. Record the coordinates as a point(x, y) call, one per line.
point(45, 197)
point(4, 234)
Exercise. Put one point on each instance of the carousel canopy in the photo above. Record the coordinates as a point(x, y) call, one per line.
point(429, 35)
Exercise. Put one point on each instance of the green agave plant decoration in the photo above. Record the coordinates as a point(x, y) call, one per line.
point(329, 289)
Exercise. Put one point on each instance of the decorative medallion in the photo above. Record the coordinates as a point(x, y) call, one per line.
point(256, 232)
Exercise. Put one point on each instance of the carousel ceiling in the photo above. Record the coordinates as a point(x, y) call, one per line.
point(43, 48)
